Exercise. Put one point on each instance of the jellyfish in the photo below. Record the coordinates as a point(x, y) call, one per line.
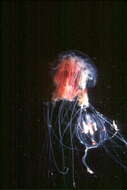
point(71, 118)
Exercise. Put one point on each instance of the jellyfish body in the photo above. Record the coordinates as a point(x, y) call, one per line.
point(74, 73)
point(70, 115)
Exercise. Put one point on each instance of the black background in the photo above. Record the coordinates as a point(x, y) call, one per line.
point(33, 32)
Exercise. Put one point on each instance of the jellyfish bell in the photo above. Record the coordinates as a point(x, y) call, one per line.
point(83, 61)
point(74, 73)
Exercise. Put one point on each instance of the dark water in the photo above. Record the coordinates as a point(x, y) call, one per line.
point(32, 34)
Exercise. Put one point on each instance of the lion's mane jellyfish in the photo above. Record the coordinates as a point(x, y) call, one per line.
point(71, 119)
